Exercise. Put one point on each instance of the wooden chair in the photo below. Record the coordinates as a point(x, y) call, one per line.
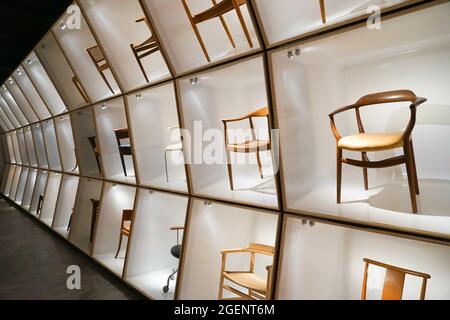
point(217, 11)
point(172, 148)
point(124, 149)
point(394, 281)
point(175, 251)
point(77, 85)
point(100, 62)
point(250, 146)
point(258, 288)
point(127, 216)
point(373, 142)
point(39, 206)
point(144, 49)
point(95, 149)
point(94, 217)
point(323, 11)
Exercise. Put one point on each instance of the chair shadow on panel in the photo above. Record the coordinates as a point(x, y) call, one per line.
point(124, 148)
point(256, 287)
point(175, 251)
point(125, 227)
point(93, 142)
point(218, 10)
point(394, 281)
point(99, 60)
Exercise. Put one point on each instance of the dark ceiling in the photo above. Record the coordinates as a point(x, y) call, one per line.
point(22, 24)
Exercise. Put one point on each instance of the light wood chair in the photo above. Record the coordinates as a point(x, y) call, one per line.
point(124, 148)
point(251, 146)
point(93, 142)
point(127, 216)
point(258, 288)
point(175, 251)
point(77, 84)
point(394, 281)
point(217, 11)
point(145, 48)
point(94, 216)
point(323, 11)
point(178, 147)
point(101, 64)
point(374, 142)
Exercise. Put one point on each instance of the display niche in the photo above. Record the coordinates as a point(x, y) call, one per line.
point(155, 248)
point(30, 92)
point(87, 59)
point(29, 188)
point(51, 145)
point(65, 205)
point(38, 193)
point(85, 214)
point(66, 144)
point(229, 93)
point(6, 109)
point(15, 144)
point(22, 147)
point(21, 100)
point(7, 125)
point(114, 141)
point(47, 211)
point(31, 151)
point(157, 138)
point(10, 149)
point(348, 66)
point(21, 186)
point(86, 142)
point(9, 175)
point(326, 262)
point(128, 41)
point(214, 228)
point(113, 226)
point(15, 182)
point(291, 18)
point(39, 144)
point(59, 70)
point(44, 84)
point(13, 106)
point(194, 34)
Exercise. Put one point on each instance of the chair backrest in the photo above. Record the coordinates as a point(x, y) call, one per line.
point(263, 112)
point(387, 97)
point(122, 133)
point(94, 217)
point(127, 215)
point(93, 142)
point(261, 249)
point(96, 54)
point(394, 280)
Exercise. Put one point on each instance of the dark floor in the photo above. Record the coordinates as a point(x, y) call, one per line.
point(33, 264)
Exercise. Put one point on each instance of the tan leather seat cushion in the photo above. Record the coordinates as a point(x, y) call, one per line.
point(367, 142)
point(250, 146)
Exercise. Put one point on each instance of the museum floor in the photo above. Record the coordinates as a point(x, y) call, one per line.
point(33, 263)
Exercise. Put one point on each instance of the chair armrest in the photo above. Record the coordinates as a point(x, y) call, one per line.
point(340, 110)
point(173, 127)
point(235, 119)
point(227, 251)
point(176, 228)
point(412, 120)
point(418, 102)
point(140, 20)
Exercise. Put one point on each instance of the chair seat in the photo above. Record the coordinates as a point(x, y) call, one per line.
point(176, 251)
point(250, 146)
point(367, 142)
point(248, 280)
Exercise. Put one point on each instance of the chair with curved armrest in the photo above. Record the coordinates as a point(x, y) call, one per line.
point(250, 146)
point(145, 48)
point(93, 142)
point(258, 288)
point(127, 216)
point(394, 281)
point(124, 148)
point(175, 251)
point(217, 11)
point(178, 147)
point(101, 64)
point(373, 142)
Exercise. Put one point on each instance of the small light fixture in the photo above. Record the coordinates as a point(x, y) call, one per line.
point(11, 81)
point(290, 55)
point(62, 118)
point(150, 191)
point(37, 125)
point(208, 204)
point(139, 96)
point(43, 46)
point(19, 73)
point(29, 61)
point(4, 88)
point(114, 185)
point(298, 52)
point(304, 222)
point(45, 172)
point(47, 122)
point(312, 223)
point(62, 25)
point(103, 106)
point(194, 81)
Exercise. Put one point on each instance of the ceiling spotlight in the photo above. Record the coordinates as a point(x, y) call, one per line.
point(304, 222)
point(208, 204)
point(10, 81)
point(4, 88)
point(103, 106)
point(37, 125)
point(62, 118)
point(62, 25)
point(19, 73)
point(298, 52)
point(312, 223)
point(290, 55)
point(139, 96)
point(29, 61)
point(194, 80)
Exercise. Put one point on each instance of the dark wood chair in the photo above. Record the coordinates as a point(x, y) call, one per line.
point(39, 206)
point(145, 48)
point(94, 217)
point(77, 85)
point(95, 149)
point(217, 11)
point(394, 281)
point(127, 216)
point(100, 62)
point(124, 148)
point(373, 142)
point(257, 288)
point(175, 251)
point(250, 146)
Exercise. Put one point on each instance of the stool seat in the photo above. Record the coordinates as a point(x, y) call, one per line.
point(176, 251)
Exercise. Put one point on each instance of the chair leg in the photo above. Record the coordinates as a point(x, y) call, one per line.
point(124, 167)
point(230, 37)
point(106, 81)
point(230, 170)
point(410, 174)
point(366, 175)
point(165, 164)
point(242, 21)
point(338, 174)
point(413, 158)
point(140, 63)
point(258, 159)
point(196, 31)
point(119, 246)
